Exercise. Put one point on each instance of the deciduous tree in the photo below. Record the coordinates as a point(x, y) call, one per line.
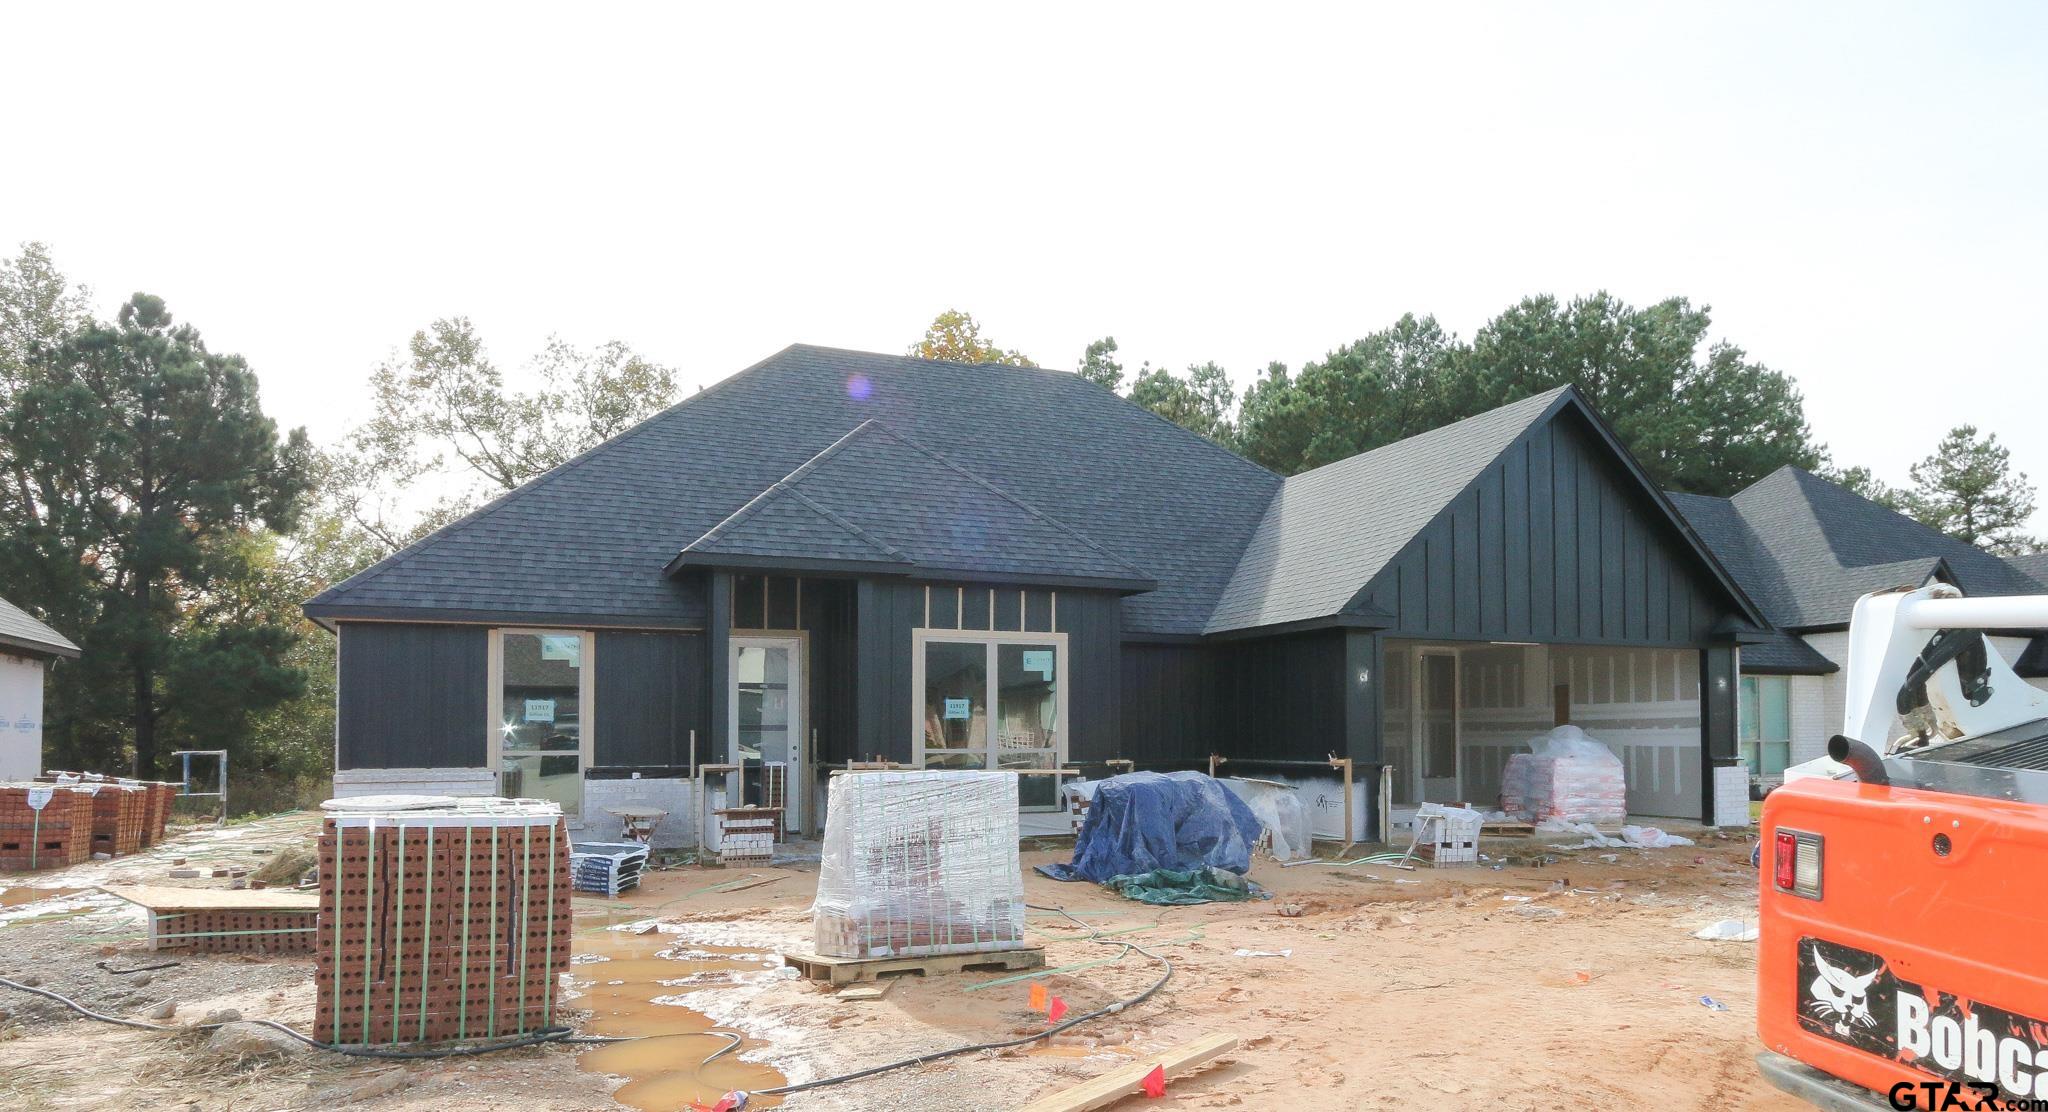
point(956, 337)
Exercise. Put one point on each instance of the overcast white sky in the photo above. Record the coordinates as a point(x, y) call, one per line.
point(1857, 190)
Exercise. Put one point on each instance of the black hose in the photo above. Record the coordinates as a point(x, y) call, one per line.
point(531, 1038)
point(936, 1055)
point(106, 968)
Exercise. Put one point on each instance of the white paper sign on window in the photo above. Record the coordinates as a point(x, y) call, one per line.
point(1039, 661)
point(560, 646)
point(958, 708)
point(540, 710)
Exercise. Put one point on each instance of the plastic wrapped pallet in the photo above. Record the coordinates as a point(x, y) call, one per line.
point(1286, 827)
point(1566, 775)
point(919, 863)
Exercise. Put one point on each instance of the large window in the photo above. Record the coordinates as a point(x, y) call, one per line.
point(1766, 722)
point(993, 701)
point(540, 680)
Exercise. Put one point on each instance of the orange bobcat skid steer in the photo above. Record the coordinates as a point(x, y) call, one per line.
point(1903, 946)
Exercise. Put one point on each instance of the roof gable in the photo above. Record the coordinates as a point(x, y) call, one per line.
point(1329, 531)
point(1808, 548)
point(878, 500)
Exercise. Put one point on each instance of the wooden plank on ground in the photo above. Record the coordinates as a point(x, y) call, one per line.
point(866, 990)
point(847, 970)
point(1124, 1081)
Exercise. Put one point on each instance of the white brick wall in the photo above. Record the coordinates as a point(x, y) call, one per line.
point(1811, 726)
point(1731, 795)
point(673, 794)
point(413, 781)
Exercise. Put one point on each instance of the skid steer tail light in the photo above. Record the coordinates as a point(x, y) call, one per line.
point(1796, 863)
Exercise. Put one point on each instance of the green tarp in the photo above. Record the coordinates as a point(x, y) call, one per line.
point(1204, 885)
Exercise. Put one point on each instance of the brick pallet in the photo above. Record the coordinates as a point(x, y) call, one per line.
point(119, 812)
point(55, 834)
point(158, 816)
point(443, 923)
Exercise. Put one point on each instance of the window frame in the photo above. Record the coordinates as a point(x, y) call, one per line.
point(1750, 710)
point(991, 640)
point(586, 705)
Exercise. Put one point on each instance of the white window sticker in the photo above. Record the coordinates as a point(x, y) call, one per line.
point(1039, 661)
point(957, 708)
point(540, 710)
point(562, 646)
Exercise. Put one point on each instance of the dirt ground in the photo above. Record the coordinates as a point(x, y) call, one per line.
point(1573, 984)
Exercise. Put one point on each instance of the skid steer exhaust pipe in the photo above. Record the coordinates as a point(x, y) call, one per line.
point(1861, 759)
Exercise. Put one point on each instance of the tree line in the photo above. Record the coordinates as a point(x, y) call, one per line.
point(1702, 417)
point(153, 512)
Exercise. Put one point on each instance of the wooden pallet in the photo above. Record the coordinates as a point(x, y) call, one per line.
point(1506, 830)
point(840, 971)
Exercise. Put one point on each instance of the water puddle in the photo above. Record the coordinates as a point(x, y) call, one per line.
point(15, 897)
point(631, 984)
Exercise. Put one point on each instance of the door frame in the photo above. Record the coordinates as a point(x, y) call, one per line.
point(1063, 692)
point(586, 703)
point(1416, 739)
point(800, 777)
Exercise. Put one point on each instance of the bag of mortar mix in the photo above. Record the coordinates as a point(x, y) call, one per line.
point(1566, 775)
point(918, 863)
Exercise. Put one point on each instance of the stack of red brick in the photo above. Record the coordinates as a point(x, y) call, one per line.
point(44, 827)
point(120, 817)
point(240, 931)
point(449, 923)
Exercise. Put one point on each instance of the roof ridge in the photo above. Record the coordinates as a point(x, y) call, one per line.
point(1548, 398)
point(447, 529)
point(1027, 507)
point(1055, 371)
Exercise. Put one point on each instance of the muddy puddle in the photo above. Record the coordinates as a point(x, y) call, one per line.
point(15, 897)
point(631, 984)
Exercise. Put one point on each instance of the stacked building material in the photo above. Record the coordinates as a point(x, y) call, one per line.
point(1567, 775)
point(159, 816)
point(120, 813)
point(919, 863)
point(222, 921)
point(43, 827)
point(440, 918)
point(607, 868)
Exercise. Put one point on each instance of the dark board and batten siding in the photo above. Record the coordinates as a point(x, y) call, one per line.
point(652, 690)
point(887, 612)
point(412, 696)
point(1553, 542)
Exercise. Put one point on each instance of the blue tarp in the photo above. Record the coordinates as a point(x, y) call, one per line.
point(1145, 820)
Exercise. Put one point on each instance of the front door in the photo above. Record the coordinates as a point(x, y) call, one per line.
point(766, 726)
point(1436, 726)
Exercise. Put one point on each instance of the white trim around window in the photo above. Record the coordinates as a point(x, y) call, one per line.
point(586, 689)
point(1063, 683)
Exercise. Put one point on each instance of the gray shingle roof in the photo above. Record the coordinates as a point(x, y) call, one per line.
point(589, 540)
point(876, 497)
point(1806, 549)
point(20, 631)
point(1330, 530)
point(2034, 566)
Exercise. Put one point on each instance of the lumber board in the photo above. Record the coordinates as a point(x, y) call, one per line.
point(164, 898)
point(848, 970)
point(1124, 1081)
